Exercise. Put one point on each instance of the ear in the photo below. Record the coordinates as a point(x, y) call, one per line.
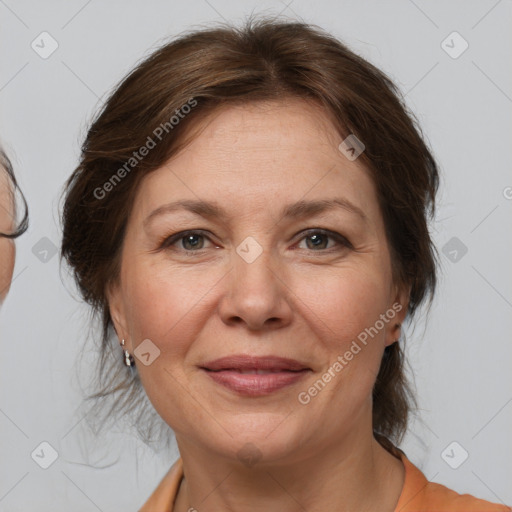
point(397, 313)
point(117, 309)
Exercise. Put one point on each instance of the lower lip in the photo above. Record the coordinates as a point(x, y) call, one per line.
point(253, 384)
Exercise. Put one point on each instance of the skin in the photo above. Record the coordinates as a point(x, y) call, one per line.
point(297, 300)
point(7, 247)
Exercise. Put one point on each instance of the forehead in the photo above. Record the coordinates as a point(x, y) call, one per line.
point(247, 154)
point(265, 130)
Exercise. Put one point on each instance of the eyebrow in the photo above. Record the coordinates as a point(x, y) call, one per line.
point(300, 209)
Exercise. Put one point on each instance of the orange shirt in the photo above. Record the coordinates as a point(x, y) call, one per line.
point(418, 494)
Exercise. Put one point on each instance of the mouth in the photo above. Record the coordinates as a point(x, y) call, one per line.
point(255, 376)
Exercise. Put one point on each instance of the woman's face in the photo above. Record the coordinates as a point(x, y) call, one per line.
point(7, 249)
point(284, 256)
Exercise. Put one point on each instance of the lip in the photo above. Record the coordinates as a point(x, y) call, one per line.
point(255, 376)
point(248, 362)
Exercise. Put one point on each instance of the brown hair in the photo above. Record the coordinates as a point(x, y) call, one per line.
point(205, 69)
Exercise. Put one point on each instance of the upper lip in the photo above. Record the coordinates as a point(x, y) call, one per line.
point(248, 362)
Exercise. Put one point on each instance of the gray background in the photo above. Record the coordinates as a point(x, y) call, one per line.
point(461, 359)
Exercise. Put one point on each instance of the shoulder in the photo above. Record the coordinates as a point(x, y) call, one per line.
point(420, 495)
point(162, 498)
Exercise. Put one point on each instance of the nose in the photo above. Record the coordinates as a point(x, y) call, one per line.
point(256, 294)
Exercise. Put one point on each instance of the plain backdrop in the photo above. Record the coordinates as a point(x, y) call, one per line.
point(461, 359)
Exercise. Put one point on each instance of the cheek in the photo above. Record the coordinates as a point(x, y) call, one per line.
point(6, 266)
point(166, 304)
point(344, 302)
point(345, 310)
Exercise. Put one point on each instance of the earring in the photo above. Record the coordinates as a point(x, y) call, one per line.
point(128, 359)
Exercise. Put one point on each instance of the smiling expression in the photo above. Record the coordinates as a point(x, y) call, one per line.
point(260, 242)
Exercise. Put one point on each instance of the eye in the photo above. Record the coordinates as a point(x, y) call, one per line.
point(318, 240)
point(190, 241)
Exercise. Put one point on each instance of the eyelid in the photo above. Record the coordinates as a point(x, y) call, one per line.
point(167, 241)
point(342, 240)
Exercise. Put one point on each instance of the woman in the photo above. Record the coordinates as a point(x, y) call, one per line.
point(8, 229)
point(250, 217)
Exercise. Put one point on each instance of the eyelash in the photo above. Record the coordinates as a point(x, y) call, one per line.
point(168, 241)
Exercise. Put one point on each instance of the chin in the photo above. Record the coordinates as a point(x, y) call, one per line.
point(258, 438)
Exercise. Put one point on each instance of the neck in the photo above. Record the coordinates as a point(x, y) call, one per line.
point(360, 476)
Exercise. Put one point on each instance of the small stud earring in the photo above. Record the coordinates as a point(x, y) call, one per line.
point(128, 359)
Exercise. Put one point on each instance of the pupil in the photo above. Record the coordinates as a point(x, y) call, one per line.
point(190, 240)
point(317, 240)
